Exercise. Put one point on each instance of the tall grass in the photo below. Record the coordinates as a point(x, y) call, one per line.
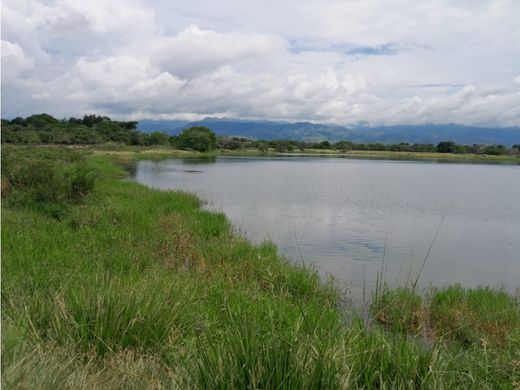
point(136, 288)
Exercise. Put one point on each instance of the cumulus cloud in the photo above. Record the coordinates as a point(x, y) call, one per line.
point(14, 61)
point(391, 62)
point(193, 51)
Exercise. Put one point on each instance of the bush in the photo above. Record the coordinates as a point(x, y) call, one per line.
point(47, 180)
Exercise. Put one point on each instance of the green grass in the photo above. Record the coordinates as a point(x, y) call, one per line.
point(130, 287)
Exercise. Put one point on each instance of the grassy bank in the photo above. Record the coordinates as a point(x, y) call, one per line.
point(127, 152)
point(109, 284)
point(431, 156)
point(157, 153)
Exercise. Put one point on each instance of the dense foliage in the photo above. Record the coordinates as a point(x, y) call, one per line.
point(198, 138)
point(94, 129)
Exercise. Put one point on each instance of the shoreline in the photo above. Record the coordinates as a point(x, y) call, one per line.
point(161, 153)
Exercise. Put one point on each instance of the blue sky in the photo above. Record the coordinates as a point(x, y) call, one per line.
point(350, 61)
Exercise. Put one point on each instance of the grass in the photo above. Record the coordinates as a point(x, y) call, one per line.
point(481, 315)
point(479, 326)
point(130, 287)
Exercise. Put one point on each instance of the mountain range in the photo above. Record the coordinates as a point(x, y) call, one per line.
point(306, 131)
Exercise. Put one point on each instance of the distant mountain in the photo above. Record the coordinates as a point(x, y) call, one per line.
point(165, 126)
point(307, 131)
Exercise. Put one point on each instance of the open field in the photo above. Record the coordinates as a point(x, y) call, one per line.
point(109, 284)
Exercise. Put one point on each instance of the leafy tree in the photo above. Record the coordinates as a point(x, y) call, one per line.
point(446, 147)
point(263, 146)
point(158, 138)
point(324, 145)
point(344, 145)
point(424, 147)
point(127, 125)
point(19, 121)
point(93, 119)
point(85, 136)
point(198, 138)
point(113, 132)
point(495, 150)
point(41, 120)
point(377, 146)
point(280, 148)
point(460, 149)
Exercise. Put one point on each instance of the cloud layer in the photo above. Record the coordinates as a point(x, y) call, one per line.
point(347, 62)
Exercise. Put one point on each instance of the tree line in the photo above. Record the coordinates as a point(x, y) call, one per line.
point(345, 146)
point(94, 129)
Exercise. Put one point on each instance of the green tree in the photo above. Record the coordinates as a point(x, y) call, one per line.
point(158, 138)
point(91, 120)
point(263, 146)
point(344, 145)
point(446, 147)
point(324, 145)
point(41, 120)
point(198, 138)
point(495, 150)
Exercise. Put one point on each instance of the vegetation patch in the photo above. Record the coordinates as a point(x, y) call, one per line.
point(480, 315)
point(483, 316)
point(400, 310)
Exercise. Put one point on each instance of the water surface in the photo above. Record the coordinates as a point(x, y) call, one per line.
point(357, 219)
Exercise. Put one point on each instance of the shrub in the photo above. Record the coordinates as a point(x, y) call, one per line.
point(47, 180)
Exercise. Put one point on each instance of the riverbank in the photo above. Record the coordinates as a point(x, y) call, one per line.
point(107, 283)
point(389, 155)
point(126, 152)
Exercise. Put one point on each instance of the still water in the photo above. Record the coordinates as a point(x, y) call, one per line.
point(355, 219)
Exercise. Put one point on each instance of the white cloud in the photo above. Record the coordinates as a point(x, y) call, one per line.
point(14, 61)
point(397, 61)
point(194, 51)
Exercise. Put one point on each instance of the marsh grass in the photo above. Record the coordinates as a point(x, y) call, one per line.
point(480, 315)
point(137, 288)
point(399, 310)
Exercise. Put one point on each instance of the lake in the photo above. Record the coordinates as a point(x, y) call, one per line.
point(357, 219)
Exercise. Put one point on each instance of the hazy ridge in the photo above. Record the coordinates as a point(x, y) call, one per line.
point(429, 133)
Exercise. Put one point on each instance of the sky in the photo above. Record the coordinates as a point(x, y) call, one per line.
point(370, 62)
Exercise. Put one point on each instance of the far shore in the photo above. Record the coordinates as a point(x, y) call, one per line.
point(140, 152)
point(129, 152)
